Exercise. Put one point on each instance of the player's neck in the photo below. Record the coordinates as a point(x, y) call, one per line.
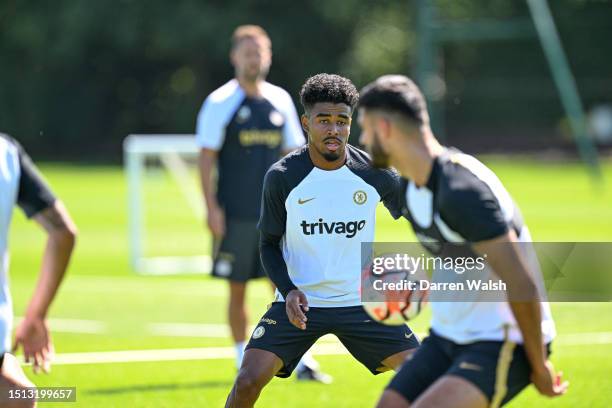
point(417, 162)
point(252, 89)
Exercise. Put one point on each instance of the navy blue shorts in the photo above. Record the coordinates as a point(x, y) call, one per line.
point(370, 342)
point(237, 254)
point(499, 369)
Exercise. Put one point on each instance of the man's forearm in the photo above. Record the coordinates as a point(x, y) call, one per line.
point(524, 301)
point(206, 164)
point(274, 264)
point(528, 316)
point(61, 237)
point(54, 264)
point(523, 297)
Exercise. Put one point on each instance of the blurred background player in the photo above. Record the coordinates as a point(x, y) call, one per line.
point(480, 352)
point(243, 128)
point(21, 184)
point(318, 206)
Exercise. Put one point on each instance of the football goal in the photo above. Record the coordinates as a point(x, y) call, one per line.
point(165, 207)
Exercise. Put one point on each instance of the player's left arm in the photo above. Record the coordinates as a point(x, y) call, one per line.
point(503, 256)
point(390, 192)
point(293, 135)
point(37, 201)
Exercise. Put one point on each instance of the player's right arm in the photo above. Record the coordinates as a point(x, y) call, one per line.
point(276, 269)
point(214, 213)
point(210, 134)
point(272, 225)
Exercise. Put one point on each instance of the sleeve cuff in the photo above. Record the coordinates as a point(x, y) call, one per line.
point(285, 291)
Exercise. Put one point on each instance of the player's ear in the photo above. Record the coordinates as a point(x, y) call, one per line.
point(380, 125)
point(304, 121)
point(232, 56)
point(384, 126)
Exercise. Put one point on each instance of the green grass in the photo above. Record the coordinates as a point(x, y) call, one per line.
point(557, 199)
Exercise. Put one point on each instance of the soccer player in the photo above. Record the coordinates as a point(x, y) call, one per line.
point(318, 205)
point(21, 184)
point(479, 353)
point(243, 128)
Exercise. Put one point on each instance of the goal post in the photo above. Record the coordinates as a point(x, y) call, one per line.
point(173, 155)
point(433, 33)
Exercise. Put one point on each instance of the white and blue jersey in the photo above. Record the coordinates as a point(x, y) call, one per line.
point(249, 135)
point(323, 216)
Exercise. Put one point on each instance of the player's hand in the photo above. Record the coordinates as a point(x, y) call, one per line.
point(296, 305)
point(216, 221)
point(33, 335)
point(547, 382)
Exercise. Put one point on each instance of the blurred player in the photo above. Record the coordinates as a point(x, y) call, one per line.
point(479, 353)
point(21, 184)
point(243, 128)
point(318, 205)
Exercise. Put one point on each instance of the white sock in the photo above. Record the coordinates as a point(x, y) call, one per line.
point(308, 361)
point(239, 353)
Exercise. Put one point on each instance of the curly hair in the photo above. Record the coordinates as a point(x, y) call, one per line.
point(328, 88)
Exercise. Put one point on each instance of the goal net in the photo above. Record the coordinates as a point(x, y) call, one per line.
point(165, 207)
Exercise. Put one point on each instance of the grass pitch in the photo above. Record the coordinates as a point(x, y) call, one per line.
point(104, 307)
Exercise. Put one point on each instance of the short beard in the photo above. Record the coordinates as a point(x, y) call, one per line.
point(260, 75)
point(330, 157)
point(380, 159)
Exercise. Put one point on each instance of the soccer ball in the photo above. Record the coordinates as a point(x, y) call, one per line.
point(390, 298)
point(395, 313)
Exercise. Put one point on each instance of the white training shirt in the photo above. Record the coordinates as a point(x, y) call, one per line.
point(323, 217)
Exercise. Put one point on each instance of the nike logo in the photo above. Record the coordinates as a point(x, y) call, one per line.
point(469, 366)
point(300, 201)
point(406, 335)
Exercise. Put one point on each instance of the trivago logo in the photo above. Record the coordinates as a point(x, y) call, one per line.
point(348, 229)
